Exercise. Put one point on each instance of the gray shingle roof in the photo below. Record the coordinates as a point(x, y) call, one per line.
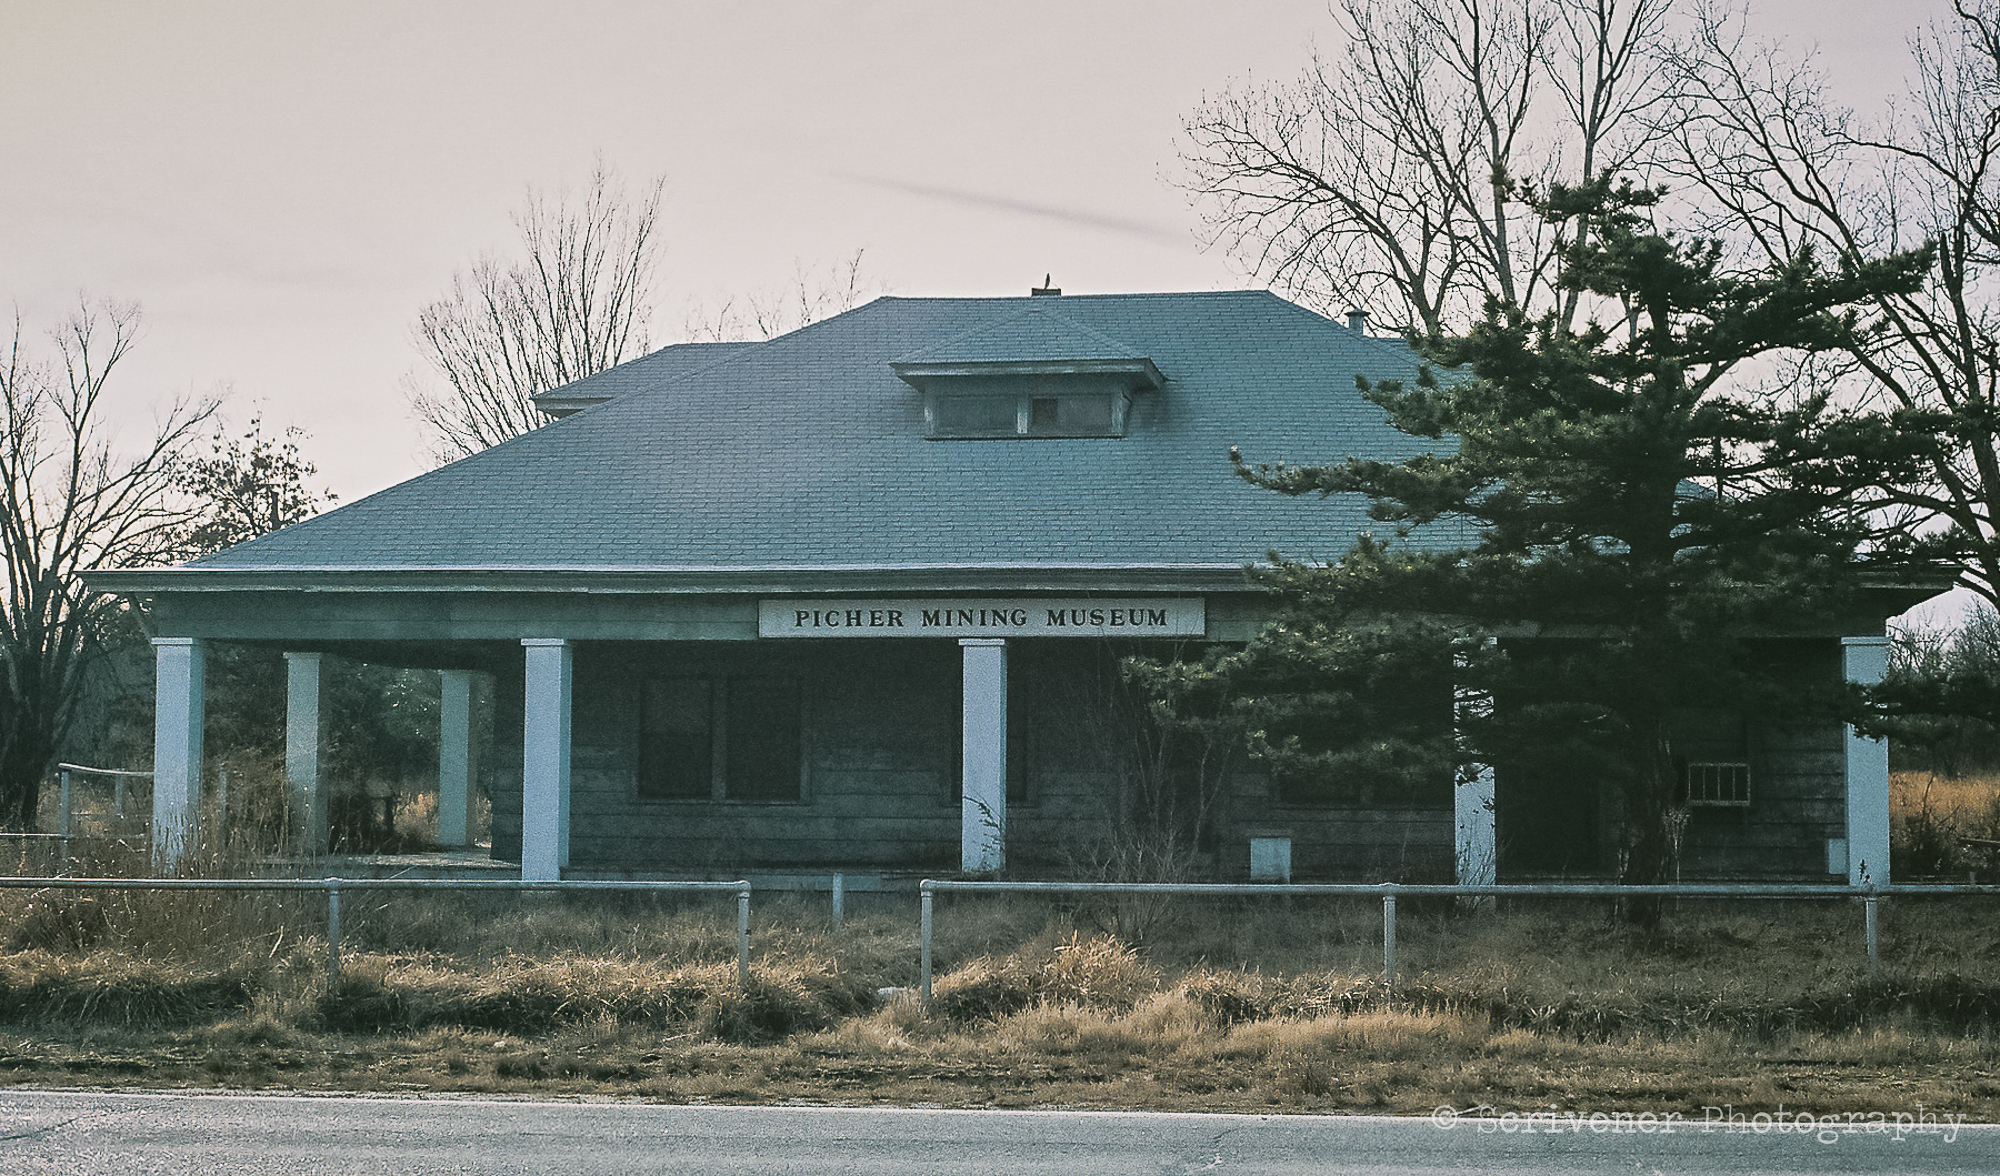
point(808, 450)
point(668, 363)
point(1038, 332)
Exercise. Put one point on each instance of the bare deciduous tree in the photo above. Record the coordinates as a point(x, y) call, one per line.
point(814, 294)
point(1780, 167)
point(577, 301)
point(1390, 176)
point(70, 500)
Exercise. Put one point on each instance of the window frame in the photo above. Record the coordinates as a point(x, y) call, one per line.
point(1118, 400)
point(722, 690)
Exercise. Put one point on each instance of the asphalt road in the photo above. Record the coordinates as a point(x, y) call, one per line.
point(58, 1133)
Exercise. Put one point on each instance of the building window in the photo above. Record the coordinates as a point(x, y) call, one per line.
point(717, 738)
point(964, 416)
point(1718, 785)
point(975, 416)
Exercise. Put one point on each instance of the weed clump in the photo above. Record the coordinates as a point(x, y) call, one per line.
point(1098, 973)
point(1231, 998)
point(776, 1005)
point(59, 923)
point(37, 986)
point(530, 998)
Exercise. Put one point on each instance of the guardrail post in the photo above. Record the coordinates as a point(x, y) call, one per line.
point(743, 937)
point(839, 901)
point(63, 818)
point(1389, 941)
point(118, 796)
point(924, 935)
point(1872, 916)
point(332, 934)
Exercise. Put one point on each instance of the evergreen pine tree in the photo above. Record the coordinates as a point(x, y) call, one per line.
point(1615, 515)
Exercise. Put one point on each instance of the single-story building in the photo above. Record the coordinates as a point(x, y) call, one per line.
point(845, 599)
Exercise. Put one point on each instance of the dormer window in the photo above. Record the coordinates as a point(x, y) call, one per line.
point(971, 416)
point(1077, 416)
point(1039, 413)
point(1037, 374)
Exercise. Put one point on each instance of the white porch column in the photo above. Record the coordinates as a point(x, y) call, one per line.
point(1475, 848)
point(545, 760)
point(983, 811)
point(177, 717)
point(456, 758)
point(305, 740)
point(1865, 660)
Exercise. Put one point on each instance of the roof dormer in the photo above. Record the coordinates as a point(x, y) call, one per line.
point(1036, 374)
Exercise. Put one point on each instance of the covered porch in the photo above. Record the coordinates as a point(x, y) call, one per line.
point(690, 733)
point(641, 732)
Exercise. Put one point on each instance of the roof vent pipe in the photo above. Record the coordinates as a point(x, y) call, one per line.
point(1045, 290)
point(1357, 321)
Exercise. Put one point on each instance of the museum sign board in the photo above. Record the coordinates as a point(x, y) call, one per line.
point(984, 616)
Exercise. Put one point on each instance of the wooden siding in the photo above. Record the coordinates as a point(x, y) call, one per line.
point(1798, 786)
point(1339, 844)
point(1798, 781)
point(879, 729)
point(878, 735)
point(1552, 823)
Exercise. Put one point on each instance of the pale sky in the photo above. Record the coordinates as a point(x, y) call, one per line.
point(282, 186)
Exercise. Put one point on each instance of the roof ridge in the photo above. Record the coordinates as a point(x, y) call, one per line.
point(733, 345)
point(1062, 322)
point(1391, 348)
point(816, 324)
point(1063, 298)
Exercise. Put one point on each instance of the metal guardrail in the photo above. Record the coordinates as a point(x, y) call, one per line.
point(66, 810)
point(332, 887)
point(1870, 896)
point(1388, 892)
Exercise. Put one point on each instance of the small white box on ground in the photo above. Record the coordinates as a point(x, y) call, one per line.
point(1270, 859)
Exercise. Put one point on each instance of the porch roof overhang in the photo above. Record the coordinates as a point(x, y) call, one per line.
point(1893, 599)
point(1136, 374)
point(304, 607)
point(751, 579)
point(348, 609)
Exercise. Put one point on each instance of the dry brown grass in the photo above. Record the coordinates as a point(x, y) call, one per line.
point(1538, 1006)
point(1099, 972)
point(416, 816)
point(532, 997)
point(1967, 798)
point(1929, 818)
